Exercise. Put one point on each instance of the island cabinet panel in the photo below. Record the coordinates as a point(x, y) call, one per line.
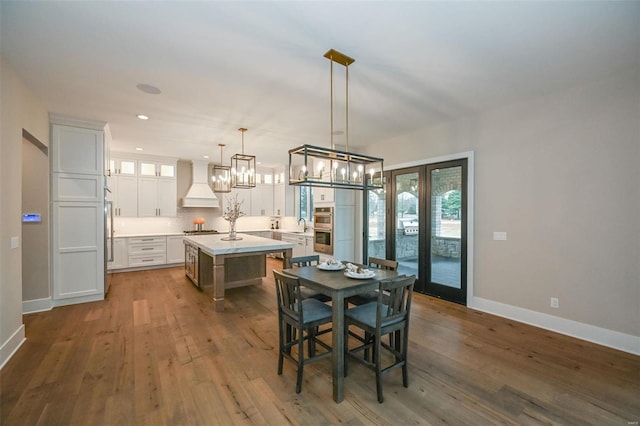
point(245, 268)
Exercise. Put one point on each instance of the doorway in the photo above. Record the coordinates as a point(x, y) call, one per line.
point(420, 220)
point(35, 230)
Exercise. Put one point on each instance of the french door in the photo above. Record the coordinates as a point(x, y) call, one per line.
point(424, 210)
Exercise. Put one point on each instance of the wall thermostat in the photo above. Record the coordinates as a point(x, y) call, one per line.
point(31, 218)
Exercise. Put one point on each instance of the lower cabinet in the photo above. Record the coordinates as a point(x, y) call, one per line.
point(120, 257)
point(175, 249)
point(147, 251)
point(139, 252)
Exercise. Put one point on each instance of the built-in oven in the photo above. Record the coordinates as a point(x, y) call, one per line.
point(323, 230)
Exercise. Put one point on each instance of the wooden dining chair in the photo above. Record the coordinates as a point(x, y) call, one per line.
point(374, 262)
point(299, 321)
point(378, 319)
point(297, 262)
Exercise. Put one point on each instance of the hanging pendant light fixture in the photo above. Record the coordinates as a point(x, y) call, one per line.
point(243, 168)
point(221, 175)
point(329, 167)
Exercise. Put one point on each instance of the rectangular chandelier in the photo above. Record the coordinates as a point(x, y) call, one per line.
point(329, 167)
point(317, 166)
point(243, 168)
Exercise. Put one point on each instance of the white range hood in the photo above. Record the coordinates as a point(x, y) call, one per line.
point(200, 193)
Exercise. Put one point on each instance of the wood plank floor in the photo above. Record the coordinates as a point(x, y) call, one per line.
point(155, 352)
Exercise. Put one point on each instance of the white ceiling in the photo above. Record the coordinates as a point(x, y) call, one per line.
point(260, 65)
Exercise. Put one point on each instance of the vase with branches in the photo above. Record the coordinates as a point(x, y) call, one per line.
point(231, 213)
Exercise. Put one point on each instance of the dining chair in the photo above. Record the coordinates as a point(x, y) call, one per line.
point(303, 317)
point(374, 262)
point(380, 318)
point(307, 261)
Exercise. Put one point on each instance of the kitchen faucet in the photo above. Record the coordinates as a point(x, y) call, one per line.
point(305, 224)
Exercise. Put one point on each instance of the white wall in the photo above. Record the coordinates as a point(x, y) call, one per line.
point(561, 175)
point(19, 109)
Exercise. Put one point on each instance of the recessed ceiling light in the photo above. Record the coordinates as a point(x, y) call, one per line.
point(205, 156)
point(147, 88)
point(138, 149)
point(142, 117)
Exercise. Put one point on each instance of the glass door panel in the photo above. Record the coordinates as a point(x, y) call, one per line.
point(446, 226)
point(376, 223)
point(407, 221)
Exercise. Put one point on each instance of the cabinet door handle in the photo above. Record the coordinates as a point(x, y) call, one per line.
point(147, 239)
point(147, 248)
point(147, 260)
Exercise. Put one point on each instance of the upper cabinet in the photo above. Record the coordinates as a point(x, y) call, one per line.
point(79, 150)
point(121, 166)
point(143, 186)
point(157, 169)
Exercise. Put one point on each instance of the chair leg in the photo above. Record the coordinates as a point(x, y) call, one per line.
point(376, 356)
point(405, 368)
point(300, 361)
point(281, 344)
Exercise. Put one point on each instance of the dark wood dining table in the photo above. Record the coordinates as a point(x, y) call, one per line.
point(337, 285)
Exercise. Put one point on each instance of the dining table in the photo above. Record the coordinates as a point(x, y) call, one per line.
point(336, 284)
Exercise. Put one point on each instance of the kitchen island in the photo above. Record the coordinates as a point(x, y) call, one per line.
point(230, 264)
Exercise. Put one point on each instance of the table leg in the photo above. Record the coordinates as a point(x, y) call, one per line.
point(218, 283)
point(337, 355)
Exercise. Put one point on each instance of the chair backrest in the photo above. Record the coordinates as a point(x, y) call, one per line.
point(303, 261)
point(397, 302)
point(390, 265)
point(288, 294)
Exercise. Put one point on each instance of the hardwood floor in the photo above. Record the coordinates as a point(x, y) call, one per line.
point(156, 353)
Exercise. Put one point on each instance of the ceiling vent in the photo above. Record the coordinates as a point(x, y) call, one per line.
point(200, 193)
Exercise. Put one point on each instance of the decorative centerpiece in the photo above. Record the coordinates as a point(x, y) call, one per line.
point(232, 213)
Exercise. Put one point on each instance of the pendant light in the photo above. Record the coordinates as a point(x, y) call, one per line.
point(329, 167)
point(221, 175)
point(243, 168)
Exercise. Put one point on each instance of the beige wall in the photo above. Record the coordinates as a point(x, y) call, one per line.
point(35, 236)
point(19, 109)
point(561, 175)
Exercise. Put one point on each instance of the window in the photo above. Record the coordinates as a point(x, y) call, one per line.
point(304, 200)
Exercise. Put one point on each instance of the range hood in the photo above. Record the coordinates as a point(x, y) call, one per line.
point(200, 193)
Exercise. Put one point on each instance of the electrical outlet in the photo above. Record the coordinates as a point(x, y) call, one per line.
point(555, 303)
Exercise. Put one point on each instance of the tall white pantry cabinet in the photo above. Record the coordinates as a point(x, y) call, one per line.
point(77, 211)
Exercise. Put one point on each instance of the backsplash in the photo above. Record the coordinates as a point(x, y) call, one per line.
point(184, 221)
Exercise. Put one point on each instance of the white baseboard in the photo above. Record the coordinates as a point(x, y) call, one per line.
point(36, 305)
point(12, 344)
point(601, 336)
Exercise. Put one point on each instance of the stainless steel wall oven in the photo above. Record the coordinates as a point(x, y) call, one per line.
point(323, 230)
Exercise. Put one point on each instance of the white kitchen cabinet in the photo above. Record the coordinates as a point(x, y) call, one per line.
point(157, 168)
point(262, 200)
point(323, 195)
point(120, 255)
point(299, 241)
point(309, 246)
point(157, 197)
point(283, 199)
point(121, 166)
point(123, 195)
point(147, 251)
point(175, 249)
point(77, 213)
point(78, 150)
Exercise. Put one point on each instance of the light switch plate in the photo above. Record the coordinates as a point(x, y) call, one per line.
point(499, 236)
point(15, 242)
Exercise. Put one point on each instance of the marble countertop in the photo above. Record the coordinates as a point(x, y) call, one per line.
point(214, 244)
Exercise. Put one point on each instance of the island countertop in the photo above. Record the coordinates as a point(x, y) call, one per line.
point(215, 245)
